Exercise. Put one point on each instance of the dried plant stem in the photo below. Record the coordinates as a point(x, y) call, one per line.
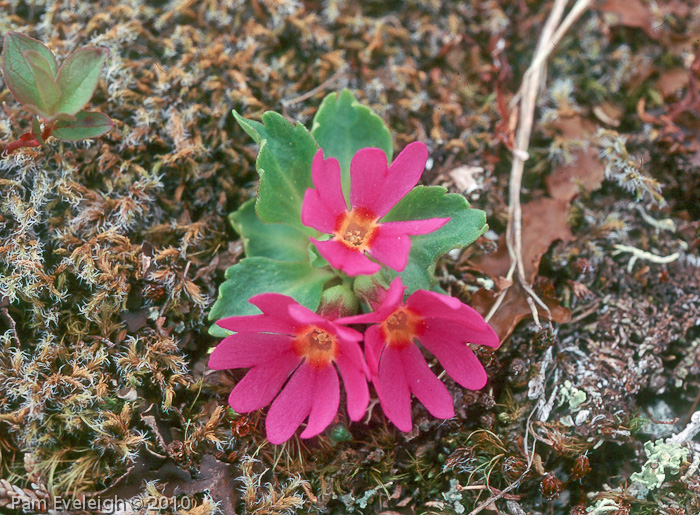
point(525, 100)
point(689, 432)
point(530, 458)
point(321, 87)
point(11, 322)
point(641, 254)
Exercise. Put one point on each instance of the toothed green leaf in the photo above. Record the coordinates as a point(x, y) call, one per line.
point(342, 126)
point(255, 275)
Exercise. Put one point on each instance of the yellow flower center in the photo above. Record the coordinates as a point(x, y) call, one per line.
point(402, 327)
point(357, 229)
point(316, 346)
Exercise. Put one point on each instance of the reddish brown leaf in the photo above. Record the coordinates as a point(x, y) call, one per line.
point(631, 13)
point(544, 222)
point(586, 172)
point(672, 80)
point(513, 309)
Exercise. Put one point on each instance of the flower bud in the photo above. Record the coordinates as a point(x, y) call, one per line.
point(370, 289)
point(338, 301)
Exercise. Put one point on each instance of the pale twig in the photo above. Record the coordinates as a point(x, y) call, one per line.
point(525, 100)
point(324, 85)
point(551, 34)
point(543, 52)
point(689, 432)
point(642, 254)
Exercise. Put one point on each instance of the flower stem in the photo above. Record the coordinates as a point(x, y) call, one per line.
point(28, 139)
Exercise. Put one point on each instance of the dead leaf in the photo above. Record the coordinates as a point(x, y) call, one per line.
point(513, 309)
point(608, 113)
point(544, 222)
point(671, 81)
point(214, 477)
point(464, 178)
point(135, 320)
point(586, 172)
point(630, 13)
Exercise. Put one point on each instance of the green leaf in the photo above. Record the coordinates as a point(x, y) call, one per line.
point(77, 78)
point(342, 126)
point(29, 70)
point(24, 43)
point(465, 226)
point(315, 257)
point(252, 128)
point(275, 241)
point(49, 93)
point(284, 164)
point(255, 275)
point(87, 124)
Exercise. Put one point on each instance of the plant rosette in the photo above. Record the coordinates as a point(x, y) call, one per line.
point(339, 233)
point(56, 95)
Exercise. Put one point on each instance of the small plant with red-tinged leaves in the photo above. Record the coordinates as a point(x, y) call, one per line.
point(56, 95)
point(338, 235)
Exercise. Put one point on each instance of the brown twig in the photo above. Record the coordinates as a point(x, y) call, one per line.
point(11, 322)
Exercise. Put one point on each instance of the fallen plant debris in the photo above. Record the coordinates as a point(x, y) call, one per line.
point(112, 250)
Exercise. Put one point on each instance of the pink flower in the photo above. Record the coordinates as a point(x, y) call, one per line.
point(374, 190)
point(441, 324)
point(289, 339)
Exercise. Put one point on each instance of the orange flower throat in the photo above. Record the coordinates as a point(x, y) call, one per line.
point(402, 327)
point(357, 229)
point(316, 346)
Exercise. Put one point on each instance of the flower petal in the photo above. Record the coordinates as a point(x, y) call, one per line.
point(435, 305)
point(368, 170)
point(275, 317)
point(252, 324)
point(326, 399)
point(393, 298)
point(273, 304)
point(403, 174)
point(460, 333)
point(353, 370)
point(393, 391)
point(457, 359)
point(365, 318)
point(247, 350)
point(425, 385)
point(342, 258)
point(413, 226)
point(305, 316)
point(325, 174)
point(317, 214)
point(262, 382)
point(391, 251)
point(291, 407)
point(374, 345)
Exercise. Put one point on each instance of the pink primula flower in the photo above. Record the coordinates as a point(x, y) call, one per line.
point(441, 324)
point(289, 339)
point(374, 190)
